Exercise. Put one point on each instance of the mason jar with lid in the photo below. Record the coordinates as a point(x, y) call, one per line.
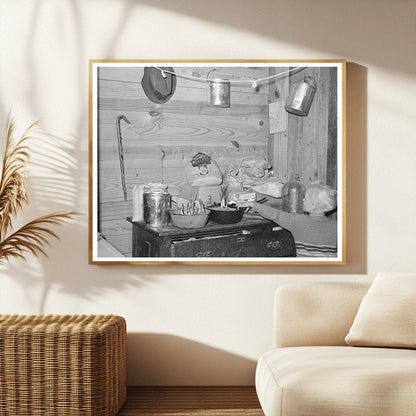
point(156, 204)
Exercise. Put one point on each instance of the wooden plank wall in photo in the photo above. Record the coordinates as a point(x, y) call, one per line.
point(162, 138)
point(278, 141)
point(308, 148)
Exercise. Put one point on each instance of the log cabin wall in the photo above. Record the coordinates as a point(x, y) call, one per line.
point(162, 138)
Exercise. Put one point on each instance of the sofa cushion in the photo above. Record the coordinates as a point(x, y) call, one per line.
point(387, 314)
point(342, 381)
point(315, 313)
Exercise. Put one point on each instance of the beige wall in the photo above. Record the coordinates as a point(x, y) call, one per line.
point(204, 325)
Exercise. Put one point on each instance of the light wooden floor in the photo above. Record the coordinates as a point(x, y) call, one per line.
point(191, 401)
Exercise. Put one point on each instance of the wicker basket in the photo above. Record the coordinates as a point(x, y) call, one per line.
point(71, 365)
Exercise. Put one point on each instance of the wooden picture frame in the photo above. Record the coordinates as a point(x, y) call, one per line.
point(150, 120)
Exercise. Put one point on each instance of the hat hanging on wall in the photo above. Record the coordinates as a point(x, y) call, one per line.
point(158, 85)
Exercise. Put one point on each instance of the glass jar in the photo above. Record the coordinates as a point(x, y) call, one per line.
point(293, 193)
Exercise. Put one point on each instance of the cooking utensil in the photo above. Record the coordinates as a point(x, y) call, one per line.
point(226, 215)
point(189, 221)
point(156, 204)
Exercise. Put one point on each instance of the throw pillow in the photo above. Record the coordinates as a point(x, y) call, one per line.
point(386, 316)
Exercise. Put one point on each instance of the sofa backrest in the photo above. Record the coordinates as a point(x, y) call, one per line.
point(308, 314)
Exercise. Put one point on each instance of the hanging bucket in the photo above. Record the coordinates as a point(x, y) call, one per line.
point(219, 93)
point(300, 99)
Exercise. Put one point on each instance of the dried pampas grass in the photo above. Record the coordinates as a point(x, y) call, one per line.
point(34, 236)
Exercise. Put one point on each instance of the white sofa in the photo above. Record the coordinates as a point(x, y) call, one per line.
point(311, 371)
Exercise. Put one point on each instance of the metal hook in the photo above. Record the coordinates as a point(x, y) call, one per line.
point(209, 72)
point(120, 153)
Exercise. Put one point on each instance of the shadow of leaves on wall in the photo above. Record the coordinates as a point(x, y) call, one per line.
point(312, 25)
point(52, 184)
point(61, 180)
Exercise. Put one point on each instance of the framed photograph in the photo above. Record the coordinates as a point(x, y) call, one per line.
point(217, 162)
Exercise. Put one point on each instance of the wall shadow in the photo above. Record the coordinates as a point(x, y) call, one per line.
point(335, 27)
point(59, 181)
point(53, 187)
point(168, 360)
point(69, 193)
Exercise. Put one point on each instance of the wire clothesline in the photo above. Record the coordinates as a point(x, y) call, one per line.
point(254, 82)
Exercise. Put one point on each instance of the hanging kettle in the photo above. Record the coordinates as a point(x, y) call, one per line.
point(300, 98)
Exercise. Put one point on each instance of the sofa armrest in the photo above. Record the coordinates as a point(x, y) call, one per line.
point(308, 314)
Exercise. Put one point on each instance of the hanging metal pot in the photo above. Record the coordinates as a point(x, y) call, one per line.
point(219, 93)
point(300, 99)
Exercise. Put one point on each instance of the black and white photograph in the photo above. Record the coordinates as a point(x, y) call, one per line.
point(217, 162)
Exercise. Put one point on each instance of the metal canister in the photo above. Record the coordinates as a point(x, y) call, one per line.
point(219, 93)
point(156, 204)
point(300, 99)
point(293, 193)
